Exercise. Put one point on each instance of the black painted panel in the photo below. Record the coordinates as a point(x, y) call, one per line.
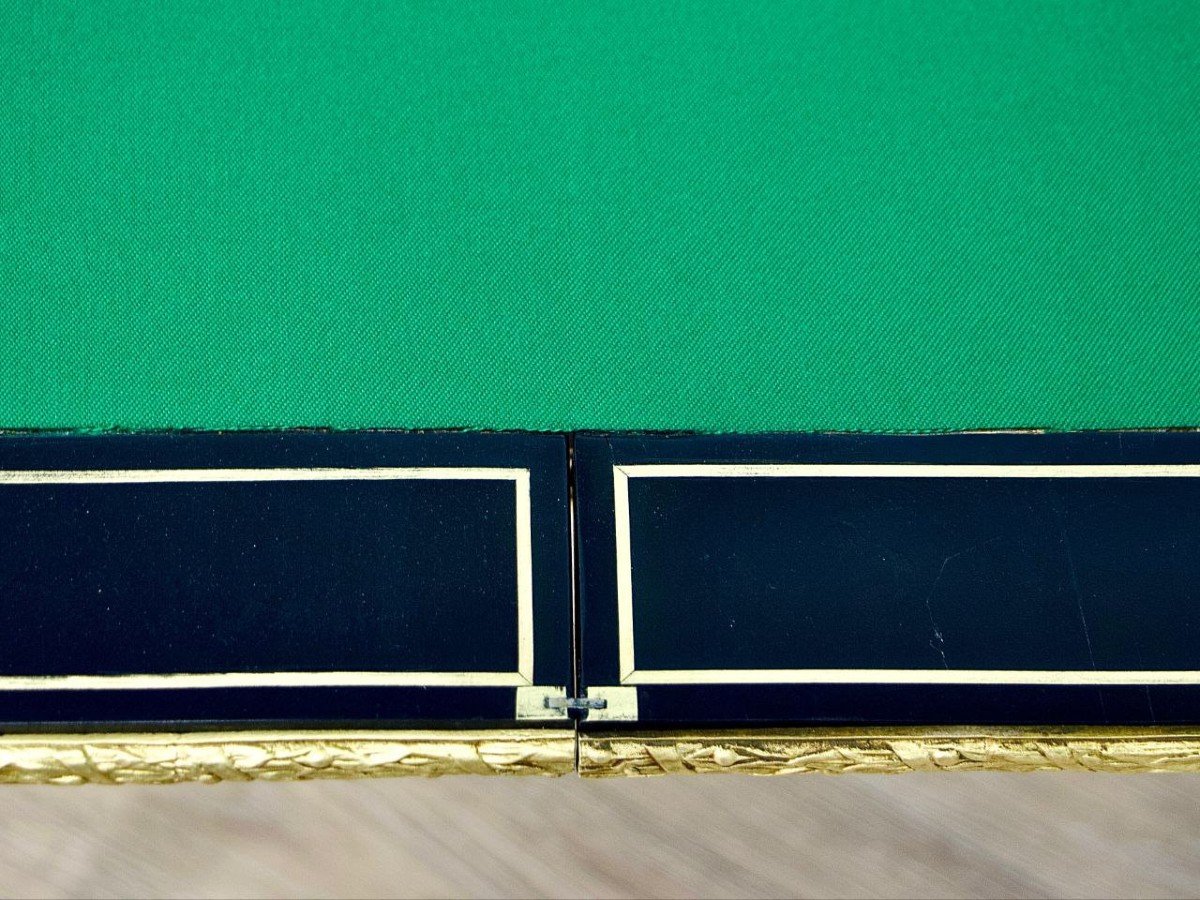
point(418, 576)
point(251, 577)
point(850, 578)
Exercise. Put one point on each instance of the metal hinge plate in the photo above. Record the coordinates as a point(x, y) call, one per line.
point(611, 704)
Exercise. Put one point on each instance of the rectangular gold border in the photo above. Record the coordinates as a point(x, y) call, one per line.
point(631, 675)
point(524, 542)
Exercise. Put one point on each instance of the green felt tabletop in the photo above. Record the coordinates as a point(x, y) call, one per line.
point(851, 214)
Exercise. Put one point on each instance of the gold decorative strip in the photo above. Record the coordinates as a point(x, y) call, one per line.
point(311, 755)
point(186, 680)
point(891, 751)
point(280, 756)
point(630, 674)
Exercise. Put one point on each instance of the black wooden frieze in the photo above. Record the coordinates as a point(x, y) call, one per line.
point(1021, 579)
point(387, 580)
point(293, 578)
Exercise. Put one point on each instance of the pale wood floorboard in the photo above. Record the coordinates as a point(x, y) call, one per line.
point(908, 836)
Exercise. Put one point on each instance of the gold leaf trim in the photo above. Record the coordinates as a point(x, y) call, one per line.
point(890, 751)
point(313, 755)
point(279, 756)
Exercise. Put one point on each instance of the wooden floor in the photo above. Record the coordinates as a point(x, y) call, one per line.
point(907, 836)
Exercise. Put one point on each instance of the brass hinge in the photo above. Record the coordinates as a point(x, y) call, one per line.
point(616, 704)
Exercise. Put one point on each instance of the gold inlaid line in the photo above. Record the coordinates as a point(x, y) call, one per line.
point(912, 676)
point(904, 470)
point(186, 680)
point(631, 675)
point(144, 681)
point(524, 578)
point(624, 573)
point(167, 476)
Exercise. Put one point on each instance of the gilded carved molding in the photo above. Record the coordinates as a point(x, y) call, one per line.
point(312, 755)
point(279, 756)
point(890, 752)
